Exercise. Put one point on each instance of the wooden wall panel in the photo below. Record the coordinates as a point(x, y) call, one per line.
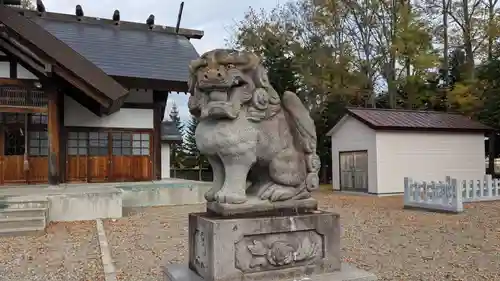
point(38, 169)
point(13, 169)
point(77, 168)
point(98, 168)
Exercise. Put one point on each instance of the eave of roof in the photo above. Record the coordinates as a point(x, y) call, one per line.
point(61, 55)
point(169, 132)
point(460, 124)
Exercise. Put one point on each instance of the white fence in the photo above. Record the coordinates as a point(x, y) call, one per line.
point(450, 194)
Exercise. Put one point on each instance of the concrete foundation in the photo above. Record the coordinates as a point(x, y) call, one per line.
point(346, 273)
point(164, 194)
point(90, 201)
point(90, 205)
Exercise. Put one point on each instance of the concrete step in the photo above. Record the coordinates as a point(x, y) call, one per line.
point(22, 231)
point(28, 222)
point(23, 213)
point(23, 202)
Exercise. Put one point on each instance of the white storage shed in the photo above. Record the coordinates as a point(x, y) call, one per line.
point(373, 150)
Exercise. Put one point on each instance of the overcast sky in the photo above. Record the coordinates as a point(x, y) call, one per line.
point(215, 17)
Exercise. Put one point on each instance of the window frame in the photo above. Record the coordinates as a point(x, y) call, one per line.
point(82, 143)
point(115, 144)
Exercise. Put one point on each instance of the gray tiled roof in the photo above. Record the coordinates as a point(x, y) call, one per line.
point(126, 52)
point(169, 132)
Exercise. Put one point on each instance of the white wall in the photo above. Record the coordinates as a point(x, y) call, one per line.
point(426, 157)
point(165, 160)
point(77, 115)
point(353, 135)
point(4, 69)
point(23, 73)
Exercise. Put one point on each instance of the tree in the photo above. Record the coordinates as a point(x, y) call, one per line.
point(379, 53)
point(27, 4)
point(193, 158)
point(176, 152)
point(189, 139)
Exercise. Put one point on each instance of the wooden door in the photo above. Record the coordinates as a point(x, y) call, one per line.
point(38, 160)
point(98, 158)
point(77, 157)
point(13, 131)
point(87, 158)
point(131, 156)
point(354, 170)
point(15, 134)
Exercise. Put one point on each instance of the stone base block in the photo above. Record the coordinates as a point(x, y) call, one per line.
point(265, 247)
point(346, 273)
point(255, 206)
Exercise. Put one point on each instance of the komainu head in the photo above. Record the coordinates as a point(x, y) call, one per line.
point(224, 83)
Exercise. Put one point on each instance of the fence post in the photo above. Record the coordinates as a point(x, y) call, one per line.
point(465, 189)
point(448, 190)
point(457, 199)
point(473, 184)
point(487, 182)
point(433, 193)
point(407, 198)
point(496, 183)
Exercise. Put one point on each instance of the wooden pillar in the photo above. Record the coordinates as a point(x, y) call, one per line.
point(159, 104)
point(63, 136)
point(53, 132)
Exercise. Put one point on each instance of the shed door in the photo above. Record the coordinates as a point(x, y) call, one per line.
point(354, 171)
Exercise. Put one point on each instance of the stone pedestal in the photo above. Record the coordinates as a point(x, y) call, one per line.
point(264, 248)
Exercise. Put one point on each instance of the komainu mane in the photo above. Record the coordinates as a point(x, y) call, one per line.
point(258, 144)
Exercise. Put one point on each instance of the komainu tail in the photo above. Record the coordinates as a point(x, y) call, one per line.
point(304, 130)
point(301, 121)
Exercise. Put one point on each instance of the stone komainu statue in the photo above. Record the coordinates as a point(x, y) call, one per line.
point(257, 144)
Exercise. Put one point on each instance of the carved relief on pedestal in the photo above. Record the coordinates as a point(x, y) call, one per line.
point(271, 251)
point(200, 250)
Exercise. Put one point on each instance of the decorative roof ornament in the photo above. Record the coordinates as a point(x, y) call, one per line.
point(79, 12)
point(116, 17)
point(151, 21)
point(40, 7)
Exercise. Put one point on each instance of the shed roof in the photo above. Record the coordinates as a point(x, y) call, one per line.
point(169, 132)
point(127, 49)
point(397, 119)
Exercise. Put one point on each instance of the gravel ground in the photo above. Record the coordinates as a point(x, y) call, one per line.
point(67, 252)
point(378, 235)
point(143, 242)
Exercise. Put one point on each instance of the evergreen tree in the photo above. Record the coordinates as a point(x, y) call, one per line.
point(189, 139)
point(176, 153)
point(194, 158)
point(174, 116)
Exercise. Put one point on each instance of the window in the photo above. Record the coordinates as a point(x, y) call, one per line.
point(122, 144)
point(39, 143)
point(39, 118)
point(98, 144)
point(141, 144)
point(126, 144)
point(78, 143)
point(14, 118)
